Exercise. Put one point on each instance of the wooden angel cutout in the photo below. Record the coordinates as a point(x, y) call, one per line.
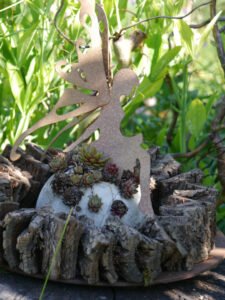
point(92, 72)
point(89, 73)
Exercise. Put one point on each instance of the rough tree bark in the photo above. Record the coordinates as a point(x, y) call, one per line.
point(93, 244)
point(69, 250)
point(14, 223)
point(5, 208)
point(35, 171)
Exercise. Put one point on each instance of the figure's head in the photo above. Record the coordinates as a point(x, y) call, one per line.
point(124, 82)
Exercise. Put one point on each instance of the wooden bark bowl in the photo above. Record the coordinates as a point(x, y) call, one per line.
point(217, 255)
point(180, 237)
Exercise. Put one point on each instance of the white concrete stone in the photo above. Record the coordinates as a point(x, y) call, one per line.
point(108, 192)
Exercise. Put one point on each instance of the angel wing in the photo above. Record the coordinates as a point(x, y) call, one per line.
point(91, 65)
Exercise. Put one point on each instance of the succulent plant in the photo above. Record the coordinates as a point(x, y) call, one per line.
point(89, 156)
point(128, 188)
point(78, 169)
point(76, 179)
point(118, 208)
point(74, 155)
point(127, 174)
point(60, 183)
point(94, 203)
point(90, 178)
point(78, 208)
point(72, 196)
point(58, 162)
point(110, 172)
point(128, 184)
point(97, 175)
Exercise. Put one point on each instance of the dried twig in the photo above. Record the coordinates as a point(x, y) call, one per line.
point(57, 27)
point(217, 36)
point(204, 23)
point(197, 26)
point(222, 29)
point(117, 35)
point(194, 152)
point(197, 150)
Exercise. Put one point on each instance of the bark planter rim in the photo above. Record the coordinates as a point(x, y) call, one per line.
point(217, 255)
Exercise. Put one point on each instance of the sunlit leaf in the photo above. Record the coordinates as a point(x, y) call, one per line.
point(30, 70)
point(172, 7)
point(154, 41)
point(196, 117)
point(146, 90)
point(186, 36)
point(207, 31)
point(159, 68)
point(26, 44)
point(123, 8)
point(16, 83)
point(161, 136)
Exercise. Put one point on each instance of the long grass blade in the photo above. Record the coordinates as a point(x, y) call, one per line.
point(12, 5)
point(55, 254)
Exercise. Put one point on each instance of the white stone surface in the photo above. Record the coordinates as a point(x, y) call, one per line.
point(108, 192)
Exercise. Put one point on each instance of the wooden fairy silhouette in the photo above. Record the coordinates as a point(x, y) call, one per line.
point(89, 73)
point(93, 72)
point(122, 150)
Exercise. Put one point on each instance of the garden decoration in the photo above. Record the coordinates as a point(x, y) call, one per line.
point(115, 233)
point(123, 151)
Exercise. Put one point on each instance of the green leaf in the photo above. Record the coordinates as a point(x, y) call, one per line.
point(16, 83)
point(2, 64)
point(160, 67)
point(25, 44)
point(161, 136)
point(30, 70)
point(154, 41)
point(28, 96)
point(123, 8)
point(7, 51)
point(221, 226)
point(210, 101)
point(207, 31)
point(144, 64)
point(220, 215)
point(196, 117)
point(109, 8)
point(186, 36)
point(146, 90)
point(172, 7)
point(23, 125)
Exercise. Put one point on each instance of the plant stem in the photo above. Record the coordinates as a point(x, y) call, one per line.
point(10, 6)
point(183, 101)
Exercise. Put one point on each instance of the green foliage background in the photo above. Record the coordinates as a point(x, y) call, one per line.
point(178, 67)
